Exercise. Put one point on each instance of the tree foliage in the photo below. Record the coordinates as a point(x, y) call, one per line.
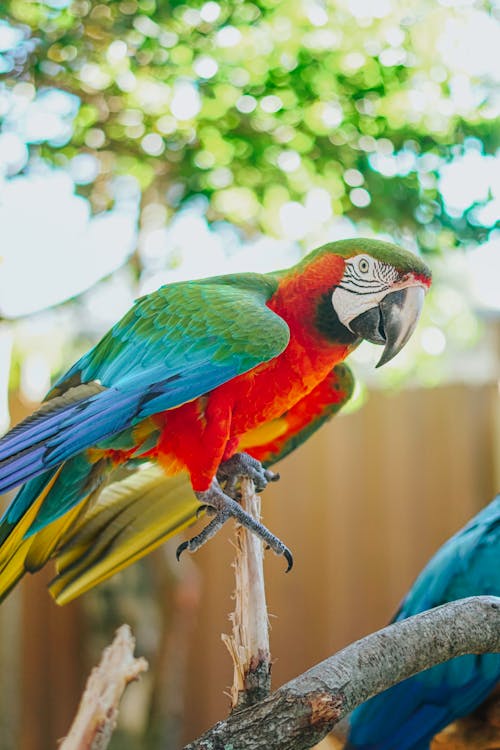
point(260, 107)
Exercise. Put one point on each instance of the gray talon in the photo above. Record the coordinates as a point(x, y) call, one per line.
point(221, 507)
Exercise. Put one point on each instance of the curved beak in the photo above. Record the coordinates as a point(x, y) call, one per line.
point(392, 322)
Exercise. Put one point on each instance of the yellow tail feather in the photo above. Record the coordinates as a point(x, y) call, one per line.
point(14, 569)
point(129, 519)
point(16, 540)
point(46, 541)
point(104, 533)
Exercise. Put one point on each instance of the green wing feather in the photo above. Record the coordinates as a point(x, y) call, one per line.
point(221, 324)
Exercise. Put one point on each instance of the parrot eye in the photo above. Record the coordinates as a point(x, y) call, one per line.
point(363, 265)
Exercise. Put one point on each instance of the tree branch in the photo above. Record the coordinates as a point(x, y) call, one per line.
point(97, 713)
point(249, 642)
point(303, 711)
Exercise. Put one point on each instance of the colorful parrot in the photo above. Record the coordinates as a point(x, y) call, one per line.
point(200, 382)
point(408, 715)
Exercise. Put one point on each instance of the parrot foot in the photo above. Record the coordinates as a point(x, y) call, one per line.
point(222, 507)
point(244, 465)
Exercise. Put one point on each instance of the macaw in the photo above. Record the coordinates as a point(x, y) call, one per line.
point(408, 715)
point(200, 382)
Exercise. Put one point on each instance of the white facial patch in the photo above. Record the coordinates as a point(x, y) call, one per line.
point(364, 284)
point(349, 305)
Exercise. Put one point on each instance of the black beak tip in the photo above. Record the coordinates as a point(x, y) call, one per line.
point(383, 360)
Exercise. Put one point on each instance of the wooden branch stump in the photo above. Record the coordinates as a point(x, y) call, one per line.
point(249, 642)
point(97, 713)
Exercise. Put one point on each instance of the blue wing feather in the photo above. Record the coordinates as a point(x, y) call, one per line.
point(408, 715)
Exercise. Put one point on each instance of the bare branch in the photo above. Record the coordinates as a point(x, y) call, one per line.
point(304, 710)
point(249, 642)
point(96, 717)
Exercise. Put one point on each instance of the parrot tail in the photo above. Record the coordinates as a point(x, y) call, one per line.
point(43, 509)
point(61, 428)
point(98, 534)
point(15, 545)
point(128, 519)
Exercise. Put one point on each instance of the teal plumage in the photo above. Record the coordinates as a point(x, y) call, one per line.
point(407, 716)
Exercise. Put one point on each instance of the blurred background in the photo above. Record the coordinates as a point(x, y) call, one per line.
point(144, 142)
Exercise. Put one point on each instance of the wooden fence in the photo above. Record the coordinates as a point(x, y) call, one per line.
point(363, 505)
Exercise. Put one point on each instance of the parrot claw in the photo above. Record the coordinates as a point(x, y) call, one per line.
point(289, 558)
point(222, 507)
point(244, 465)
point(180, 549)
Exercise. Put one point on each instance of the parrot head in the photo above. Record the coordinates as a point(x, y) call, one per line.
point(380, 295)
